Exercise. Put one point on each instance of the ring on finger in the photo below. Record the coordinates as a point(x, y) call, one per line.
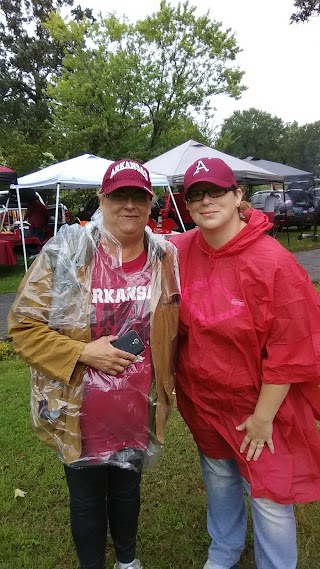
point(260, 445)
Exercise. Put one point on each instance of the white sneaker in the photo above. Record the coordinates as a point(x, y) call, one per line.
point(208, 565)
point(134, 565)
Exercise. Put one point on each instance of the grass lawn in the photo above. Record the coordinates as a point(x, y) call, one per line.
point(34, 531)
point(296, 244)
point(11, 275)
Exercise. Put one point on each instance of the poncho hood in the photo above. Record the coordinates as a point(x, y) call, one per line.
point(257, 223)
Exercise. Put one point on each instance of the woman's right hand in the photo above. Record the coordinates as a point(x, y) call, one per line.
point(100, 354)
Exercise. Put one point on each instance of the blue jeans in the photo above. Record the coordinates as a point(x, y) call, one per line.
point(274, 524)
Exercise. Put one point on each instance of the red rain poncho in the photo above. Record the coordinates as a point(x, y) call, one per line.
point(250, 314)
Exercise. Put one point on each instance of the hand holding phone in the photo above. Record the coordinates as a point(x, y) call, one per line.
point(130, 342)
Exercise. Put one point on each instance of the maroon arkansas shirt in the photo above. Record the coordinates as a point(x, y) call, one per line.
point(115, 410)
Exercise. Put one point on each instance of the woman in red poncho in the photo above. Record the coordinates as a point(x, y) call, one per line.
point(248, 371)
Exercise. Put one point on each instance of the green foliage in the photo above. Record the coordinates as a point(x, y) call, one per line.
point(305, 10)
point(104, 85)
point(184, 61)
point(6, 351)
point(3, 160)
point(75, 199)
point(124, 89)
point(182, 129)
point(252, 133)
point(20, 154)
point(28, 57)
point(301, 146)
point(93, 107)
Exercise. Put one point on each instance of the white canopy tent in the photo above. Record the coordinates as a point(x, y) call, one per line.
point(175, 162)
point(81, 172)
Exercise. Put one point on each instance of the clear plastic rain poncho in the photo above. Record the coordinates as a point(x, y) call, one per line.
point(76, 291)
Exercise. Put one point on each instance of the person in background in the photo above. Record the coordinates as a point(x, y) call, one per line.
point(248, 371)
point(272, 203)
point(38, 216)
point(102, 408)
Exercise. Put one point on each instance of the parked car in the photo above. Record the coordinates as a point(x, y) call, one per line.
point(303, 208)
point(258, 199)
point(315, 192)
point(297, 205)
point(305, 185)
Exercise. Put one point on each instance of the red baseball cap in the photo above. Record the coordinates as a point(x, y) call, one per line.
point(213, 170)
point(126, 173)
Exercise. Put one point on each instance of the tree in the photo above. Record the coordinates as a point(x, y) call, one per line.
point(301, 146)
point(305, 10)
point(252, 133)
point(184, 129)
point(94, 99)
point(28, 57)
point(184, 62)
point(128, 86)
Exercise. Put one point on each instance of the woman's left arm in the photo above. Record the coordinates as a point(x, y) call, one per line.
point(259, 425)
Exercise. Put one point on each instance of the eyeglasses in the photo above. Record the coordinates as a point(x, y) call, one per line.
point(119, 196)
point(198, 195)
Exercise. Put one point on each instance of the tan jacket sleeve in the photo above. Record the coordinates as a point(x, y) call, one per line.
point(46, 350)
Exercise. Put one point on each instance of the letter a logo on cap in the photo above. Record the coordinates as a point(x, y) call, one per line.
point(200, 166)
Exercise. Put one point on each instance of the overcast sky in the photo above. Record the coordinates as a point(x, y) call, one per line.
point(281, 61)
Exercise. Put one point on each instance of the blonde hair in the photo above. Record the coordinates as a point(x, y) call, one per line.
point(100, 193)
point(245, 205)
point(244, 208)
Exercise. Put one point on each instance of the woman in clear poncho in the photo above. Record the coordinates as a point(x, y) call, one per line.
point(102, 409)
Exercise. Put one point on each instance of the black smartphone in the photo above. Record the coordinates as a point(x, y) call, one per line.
point(130, 342)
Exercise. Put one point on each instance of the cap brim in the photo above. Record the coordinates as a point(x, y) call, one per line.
point(127, 184)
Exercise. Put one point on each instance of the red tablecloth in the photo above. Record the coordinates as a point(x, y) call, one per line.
point(7, 256)
point(16, 240)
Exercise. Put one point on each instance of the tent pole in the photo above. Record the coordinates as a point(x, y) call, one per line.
point(4, 213)
point(57, 210)
point(22, 230)
point(176, 207)
point(285, 212)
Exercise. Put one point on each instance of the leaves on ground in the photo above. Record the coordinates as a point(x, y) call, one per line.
point(19, 493)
